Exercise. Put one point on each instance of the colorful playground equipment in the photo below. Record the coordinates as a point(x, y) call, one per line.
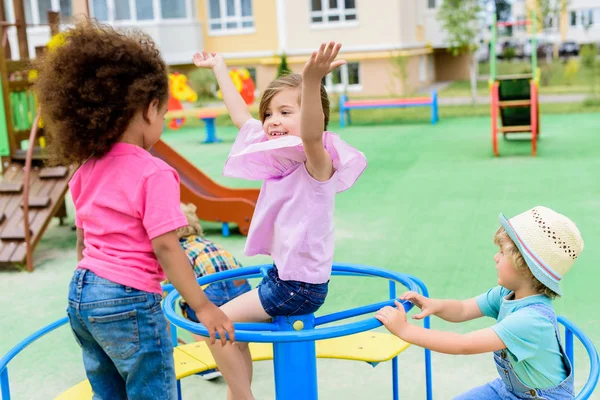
point(514, 97)
point(297, 341)
point(213, 202)
point(181, 91)
point(347, 105)
point(30, 194)
point(243, 83)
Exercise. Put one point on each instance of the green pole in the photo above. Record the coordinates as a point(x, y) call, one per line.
point(4, 143)
point(493, 51)
point(534, 45)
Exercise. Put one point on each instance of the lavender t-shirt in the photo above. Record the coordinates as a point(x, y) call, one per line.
point(293, 219)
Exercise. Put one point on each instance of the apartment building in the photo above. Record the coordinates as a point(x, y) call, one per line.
point(578, 22)
point(392, 47)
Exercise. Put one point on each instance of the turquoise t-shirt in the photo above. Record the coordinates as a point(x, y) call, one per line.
point(529, 337)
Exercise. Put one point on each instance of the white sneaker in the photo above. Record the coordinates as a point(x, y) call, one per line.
point(210, 374)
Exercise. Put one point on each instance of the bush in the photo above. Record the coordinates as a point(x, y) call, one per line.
point(203, 82)
point(283, 69)
point(545, 74)
point(588, 60)
point(508, 53)
point(571, 71)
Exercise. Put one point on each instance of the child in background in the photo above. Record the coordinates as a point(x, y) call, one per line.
point(103, 97)
point(537, 248)
point(207, 257)
point(302, 167)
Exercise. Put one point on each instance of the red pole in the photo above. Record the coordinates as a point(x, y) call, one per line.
point(534, 117)
point(494, 117)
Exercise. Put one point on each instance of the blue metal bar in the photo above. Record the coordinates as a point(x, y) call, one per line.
point(18, 348)
point(4, 385)
point(594, 375)
point(569, 349)
point(211, 132)
point(343, 100)
point(225, 229)
point(30, 339)
point(290, 360)
point(354, 312)
point(434, 108)
point(395, 391)
point(426, 325)
point(244, 335)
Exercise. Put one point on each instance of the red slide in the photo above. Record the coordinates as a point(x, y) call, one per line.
point(213, 202)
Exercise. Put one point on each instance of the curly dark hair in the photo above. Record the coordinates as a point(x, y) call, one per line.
point(90, 88)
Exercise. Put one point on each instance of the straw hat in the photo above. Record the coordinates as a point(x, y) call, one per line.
point(549, 242)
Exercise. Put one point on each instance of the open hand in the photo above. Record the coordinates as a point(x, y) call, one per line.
point(216, 321)
point(394, 319)
point(207, 60)
point(424, 303)
point(322, 62)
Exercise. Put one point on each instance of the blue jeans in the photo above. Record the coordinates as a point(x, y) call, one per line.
point(127, 350)
point(283, 298)
point(219, 293)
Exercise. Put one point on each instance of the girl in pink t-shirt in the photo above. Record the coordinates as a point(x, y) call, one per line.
point(103, 97)
point(302, 167)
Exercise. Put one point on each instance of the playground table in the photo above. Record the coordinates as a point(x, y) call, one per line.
point(208, 116)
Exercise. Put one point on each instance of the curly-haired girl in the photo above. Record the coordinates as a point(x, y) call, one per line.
point(103, 97)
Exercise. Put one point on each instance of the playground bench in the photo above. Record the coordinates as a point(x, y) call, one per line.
point(347, 105)
point(176, 118)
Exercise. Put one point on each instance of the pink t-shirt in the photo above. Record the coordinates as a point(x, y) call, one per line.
point(293, 219)
point(123, 201)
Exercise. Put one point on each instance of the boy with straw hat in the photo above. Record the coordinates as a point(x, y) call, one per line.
point(537, 248)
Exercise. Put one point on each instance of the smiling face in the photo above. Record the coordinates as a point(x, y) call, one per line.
point(282, 115)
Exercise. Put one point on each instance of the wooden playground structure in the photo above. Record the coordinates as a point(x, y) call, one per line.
point(514, 98)
point(30, 194)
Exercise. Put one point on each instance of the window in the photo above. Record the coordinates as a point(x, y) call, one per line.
point(122, 10)
point(140, 10)
point(230, 16)
point(144, 10)
point(332, 11)
point(430, 3)
point(573, 18)
point(345, 77)
point(172, 9)
point(587, 17)
point(36, 11)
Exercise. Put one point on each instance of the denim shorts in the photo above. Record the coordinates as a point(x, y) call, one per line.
point(122, 331)
point(218, 293)
point(281, 298)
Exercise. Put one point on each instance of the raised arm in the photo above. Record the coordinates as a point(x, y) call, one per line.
point(481, 341)
point(237, 108)
point(176, 265)
point(312, 120)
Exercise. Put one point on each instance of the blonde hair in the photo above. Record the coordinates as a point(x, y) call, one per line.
point(509, 249)
point(193, 227)
point(291, 81)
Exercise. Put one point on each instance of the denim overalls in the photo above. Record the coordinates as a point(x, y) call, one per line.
point(510, 387)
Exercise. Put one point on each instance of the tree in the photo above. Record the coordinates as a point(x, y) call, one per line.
point(548, 16)
point(283, 66)
point(459, 18)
